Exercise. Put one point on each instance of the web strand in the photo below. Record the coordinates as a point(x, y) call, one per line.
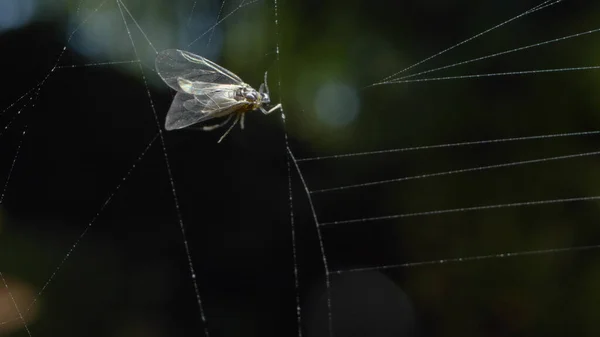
point(90, 224)
point(293, 235)
point(170, 175)
point(78, 9)
point(289, 175)
point(37, 88)
point(15, 116)
point(14, 303)
point(541, 6)
point(12, 166)
point(25, 95)
point(97, 64)
point(138, 26)
point(191, 13)
point(459, 210)
point(321, 243)
point(446, 173)
point(508, 73)
point(539, 44)
point(212, 29)
point(240, 6)
point(451, 145)
point(471, 259)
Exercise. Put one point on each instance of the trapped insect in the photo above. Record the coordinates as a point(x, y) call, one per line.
point(206, 90)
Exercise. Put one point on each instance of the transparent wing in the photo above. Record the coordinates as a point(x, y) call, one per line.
point(181, 113)
point(174, 64)
point(215, 103)
point(200, 88)
point(188, 109)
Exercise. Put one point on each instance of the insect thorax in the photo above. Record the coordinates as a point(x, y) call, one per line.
point(248, 94)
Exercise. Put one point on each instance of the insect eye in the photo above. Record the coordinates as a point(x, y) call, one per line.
point(251, 96)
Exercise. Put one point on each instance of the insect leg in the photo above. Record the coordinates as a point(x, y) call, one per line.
point(278, 106)
point(216, 126)
point(242, 120)
point(237, 118)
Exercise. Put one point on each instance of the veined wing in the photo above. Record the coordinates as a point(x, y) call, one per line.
point(204, 88)
point(173, 64)
point(179, 116)
point(188, 109)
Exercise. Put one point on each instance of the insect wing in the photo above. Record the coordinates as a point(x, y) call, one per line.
point(202, 88)
point(219, 102)
point(229, 76)
point(174, 64)
point(184, 111)
point(188, 109)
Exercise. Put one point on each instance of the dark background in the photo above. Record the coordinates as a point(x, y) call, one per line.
point(128, 274)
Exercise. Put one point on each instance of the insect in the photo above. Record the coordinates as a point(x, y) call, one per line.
point(206, 90)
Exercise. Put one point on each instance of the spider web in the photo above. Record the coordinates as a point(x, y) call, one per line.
point(116, 218)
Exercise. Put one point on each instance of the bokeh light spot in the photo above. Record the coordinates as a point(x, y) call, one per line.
point(14, 14)
point(336, 104)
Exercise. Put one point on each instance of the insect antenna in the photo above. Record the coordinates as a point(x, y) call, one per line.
point(265, 83)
